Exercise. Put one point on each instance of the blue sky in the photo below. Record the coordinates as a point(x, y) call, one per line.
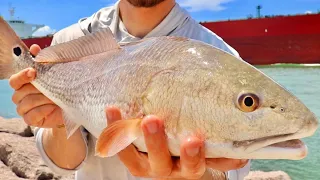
point(57, 14)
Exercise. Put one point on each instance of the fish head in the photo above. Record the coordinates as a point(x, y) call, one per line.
point(244, 109)
point(239, 111)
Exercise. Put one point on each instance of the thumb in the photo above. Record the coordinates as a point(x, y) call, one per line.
point(35, 49)
point(113, 114)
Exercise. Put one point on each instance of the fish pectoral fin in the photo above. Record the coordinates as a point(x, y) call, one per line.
point(101, 41)
point(117, 136)
point(71, 126)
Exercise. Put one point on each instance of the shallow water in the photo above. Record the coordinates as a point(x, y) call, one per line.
point(305, 84)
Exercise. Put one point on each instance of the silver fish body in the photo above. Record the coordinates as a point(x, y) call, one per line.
point(191, 85)
point(197, 89)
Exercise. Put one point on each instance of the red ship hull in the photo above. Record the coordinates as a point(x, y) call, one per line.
point(282, 39)
point(43, 42)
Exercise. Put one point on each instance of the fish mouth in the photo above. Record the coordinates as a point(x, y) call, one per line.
point(282, 141)
point(286, 146)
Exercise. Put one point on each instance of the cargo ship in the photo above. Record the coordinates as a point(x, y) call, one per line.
point(25, 31)
point(262, 40)
point(266, 40)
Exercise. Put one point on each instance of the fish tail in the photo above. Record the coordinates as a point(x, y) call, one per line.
point(12, 49)
point(117, 136)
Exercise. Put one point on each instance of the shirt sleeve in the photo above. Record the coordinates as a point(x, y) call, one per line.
point(69, 33)
point(239, 174)
point(38, 135)
point(218, 42)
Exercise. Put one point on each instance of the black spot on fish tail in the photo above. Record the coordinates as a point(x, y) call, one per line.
point(17, 51)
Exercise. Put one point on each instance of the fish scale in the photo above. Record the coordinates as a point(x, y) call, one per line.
point(197, 89)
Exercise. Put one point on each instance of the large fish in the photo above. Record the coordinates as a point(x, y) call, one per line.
point(196, 88)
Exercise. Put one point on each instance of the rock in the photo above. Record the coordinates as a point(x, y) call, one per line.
point(273, 175)
point(19, 156)
point(6, 173)
point(15, 126)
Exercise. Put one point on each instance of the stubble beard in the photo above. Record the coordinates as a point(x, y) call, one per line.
point(145, 3)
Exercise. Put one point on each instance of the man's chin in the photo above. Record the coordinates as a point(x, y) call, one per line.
point(145, 3)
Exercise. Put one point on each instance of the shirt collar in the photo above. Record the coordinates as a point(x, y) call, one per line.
point(110, 18)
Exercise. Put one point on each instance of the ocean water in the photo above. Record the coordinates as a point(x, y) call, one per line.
point(304, 82)
point(7, 107)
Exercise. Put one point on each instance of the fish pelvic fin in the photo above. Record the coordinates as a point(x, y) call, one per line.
point(117, 136)
point(11, 48)
point(101, 41)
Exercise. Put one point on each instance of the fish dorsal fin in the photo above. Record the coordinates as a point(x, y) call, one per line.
point(95, 43)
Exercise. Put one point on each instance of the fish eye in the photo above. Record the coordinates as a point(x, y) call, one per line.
point(17, 51)
point(248, 102)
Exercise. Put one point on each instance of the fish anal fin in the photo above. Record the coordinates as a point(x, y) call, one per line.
point(95, 43)
point(117, 136)
point(70, 125)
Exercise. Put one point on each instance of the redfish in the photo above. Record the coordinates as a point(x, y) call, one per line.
point(197, 89)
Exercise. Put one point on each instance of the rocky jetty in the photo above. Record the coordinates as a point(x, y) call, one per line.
point(273, 175)
point(20, 160)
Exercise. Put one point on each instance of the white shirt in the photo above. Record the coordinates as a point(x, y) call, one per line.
point(177, 23)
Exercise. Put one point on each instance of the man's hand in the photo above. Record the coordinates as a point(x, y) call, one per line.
point(36, 109)
point(158, 163)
